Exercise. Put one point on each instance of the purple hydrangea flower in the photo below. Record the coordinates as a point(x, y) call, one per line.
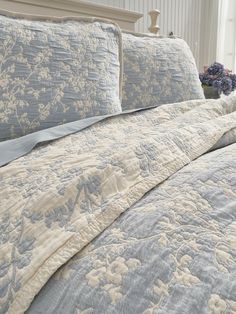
point(215, 69)
point(205, 79)
point(223, 84)
point(233, 79)
point(220, 78)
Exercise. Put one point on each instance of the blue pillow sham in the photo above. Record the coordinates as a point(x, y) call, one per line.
point(56, 71)
point(158, 70)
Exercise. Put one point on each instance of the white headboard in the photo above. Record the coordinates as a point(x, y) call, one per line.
point(124, 18)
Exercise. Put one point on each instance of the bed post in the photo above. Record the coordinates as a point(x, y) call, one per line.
point(154, 28)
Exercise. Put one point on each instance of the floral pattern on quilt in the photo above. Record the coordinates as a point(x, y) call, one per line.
point(57, 199)
point(56, 72)
point(158, 71)
point(172, 252)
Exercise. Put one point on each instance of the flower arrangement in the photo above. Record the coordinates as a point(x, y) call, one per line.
point(221, 79)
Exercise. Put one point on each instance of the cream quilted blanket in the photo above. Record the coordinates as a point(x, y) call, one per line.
point(56, 199)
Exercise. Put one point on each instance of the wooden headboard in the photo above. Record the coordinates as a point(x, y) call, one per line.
point(124, 18)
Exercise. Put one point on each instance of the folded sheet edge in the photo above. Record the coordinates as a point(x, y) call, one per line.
point(13, 149)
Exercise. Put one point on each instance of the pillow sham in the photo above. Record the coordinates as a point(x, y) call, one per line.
point(158, 70)
point(56, 71)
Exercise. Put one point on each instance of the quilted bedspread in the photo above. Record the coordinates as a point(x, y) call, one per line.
point(171, 251)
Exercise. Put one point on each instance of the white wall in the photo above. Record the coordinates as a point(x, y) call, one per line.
point(193, 20)
point(226, 52)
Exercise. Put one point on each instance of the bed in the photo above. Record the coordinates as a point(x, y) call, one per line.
point(129, 210)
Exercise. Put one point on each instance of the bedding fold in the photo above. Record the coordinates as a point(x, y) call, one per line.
point(59, 197)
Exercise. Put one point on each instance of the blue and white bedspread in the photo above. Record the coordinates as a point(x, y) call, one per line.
point(135, 214)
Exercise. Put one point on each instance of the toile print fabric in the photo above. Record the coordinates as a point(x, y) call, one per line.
point(172, 252)
point(58, 198)
point(158, 71)
point(56, 72)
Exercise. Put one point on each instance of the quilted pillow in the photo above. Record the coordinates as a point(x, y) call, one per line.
point(57, 71)
point(158, 71)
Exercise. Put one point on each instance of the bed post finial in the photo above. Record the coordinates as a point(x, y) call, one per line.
point(154, 28)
